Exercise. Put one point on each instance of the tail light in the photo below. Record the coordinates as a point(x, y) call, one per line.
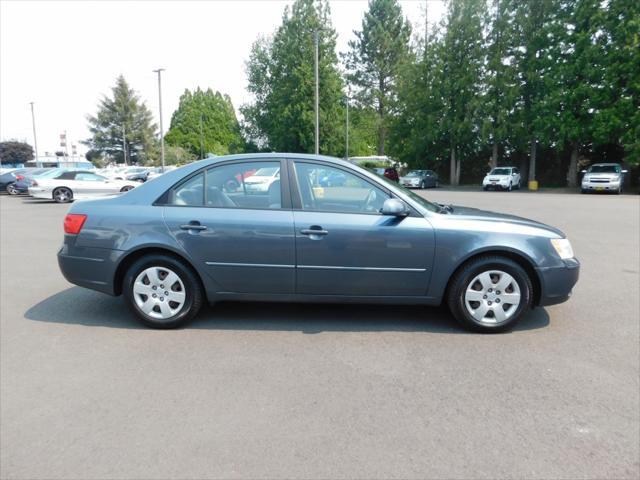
point(19, 177)
point(73, 223)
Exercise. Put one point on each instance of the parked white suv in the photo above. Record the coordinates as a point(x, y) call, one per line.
point(603, 177)
point(503, 178)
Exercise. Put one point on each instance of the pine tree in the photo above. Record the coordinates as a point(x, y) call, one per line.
point(375, 58)
point(205, 122)
point(281, 78)
point(123, 127)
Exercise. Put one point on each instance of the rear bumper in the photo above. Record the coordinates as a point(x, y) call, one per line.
point(89, 267)
point(557, 282)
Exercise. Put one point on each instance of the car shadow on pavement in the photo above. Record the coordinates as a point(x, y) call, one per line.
point(83, 307)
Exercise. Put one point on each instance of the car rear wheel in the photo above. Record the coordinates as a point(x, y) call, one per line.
point(62, 195)
point(126, 189)
point(162, 291)
point(11, 189)
point(490, 294)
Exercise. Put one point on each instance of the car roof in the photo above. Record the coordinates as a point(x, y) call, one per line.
point(605, 164)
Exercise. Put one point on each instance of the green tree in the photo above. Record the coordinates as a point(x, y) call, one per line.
point(281, 79)
point(14, 152)
point(375, 58)
point(462, 61)
point(174, 155)
point(205, 122)
point(618, 120)
point(123, 116)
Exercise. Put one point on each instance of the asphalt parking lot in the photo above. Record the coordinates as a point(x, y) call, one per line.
point(306, 391)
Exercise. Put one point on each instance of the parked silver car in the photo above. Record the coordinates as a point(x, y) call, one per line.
point(603, 177)
point(420, 179)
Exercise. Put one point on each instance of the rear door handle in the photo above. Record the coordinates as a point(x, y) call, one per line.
point(193, 225)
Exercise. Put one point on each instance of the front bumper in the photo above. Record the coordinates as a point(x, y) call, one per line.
point(495, 186)
point(556, 283)
point(601, 186)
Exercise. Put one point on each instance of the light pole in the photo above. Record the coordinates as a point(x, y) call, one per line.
point(346, 150)
point(315, 38)
point(124, 144)
point(159, 71)
point(35, 139)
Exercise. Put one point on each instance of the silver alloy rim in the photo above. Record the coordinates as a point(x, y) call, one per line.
point(11, 189)
point(492, 297)
point(62, 195)
point(159, 292)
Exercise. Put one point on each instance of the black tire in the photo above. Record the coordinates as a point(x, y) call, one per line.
point(62, 195)
point(126, 188)
point(485, 188)
point(11, 189)
point(194, 296)
point(582, 190)
point(510, 187)
point(423, 185)
point(465, 274)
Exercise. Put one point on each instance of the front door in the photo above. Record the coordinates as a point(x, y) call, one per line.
point(344, 246)
point(240, 233)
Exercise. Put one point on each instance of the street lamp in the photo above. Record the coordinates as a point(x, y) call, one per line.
point(317, 108)
point(35, 139)
point(159, 71)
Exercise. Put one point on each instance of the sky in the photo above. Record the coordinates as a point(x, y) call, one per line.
point(65, 55)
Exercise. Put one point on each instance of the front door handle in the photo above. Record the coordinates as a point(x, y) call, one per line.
point(314, 230)
point(193, 225)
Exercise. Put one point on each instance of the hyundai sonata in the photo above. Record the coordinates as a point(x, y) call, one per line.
point(189, 237)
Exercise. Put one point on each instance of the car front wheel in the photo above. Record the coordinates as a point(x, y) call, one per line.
point(490, 294)
point(162, 291)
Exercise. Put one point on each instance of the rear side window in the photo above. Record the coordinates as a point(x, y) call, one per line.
point(189, 193)
point(244, 185)
point(235, 185)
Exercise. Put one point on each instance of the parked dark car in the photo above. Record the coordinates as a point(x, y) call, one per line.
point(392, 174)
point(9, 178)
point(25, 180)
point(183, 239)
point(138, 176)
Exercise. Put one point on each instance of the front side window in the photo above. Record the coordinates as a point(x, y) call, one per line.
point(329, 189)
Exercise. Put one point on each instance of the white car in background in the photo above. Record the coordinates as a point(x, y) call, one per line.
point(502, 178)
point(72, 185)
point(261, 179)
point(155, 172)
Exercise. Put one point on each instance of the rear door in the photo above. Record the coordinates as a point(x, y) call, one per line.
point(241, 234)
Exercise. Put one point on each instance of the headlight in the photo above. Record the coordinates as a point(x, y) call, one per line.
point(563, 247)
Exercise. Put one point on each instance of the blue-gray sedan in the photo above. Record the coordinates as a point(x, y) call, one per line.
point(267, 227)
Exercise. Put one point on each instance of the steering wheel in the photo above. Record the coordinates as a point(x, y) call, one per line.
point(367, 206)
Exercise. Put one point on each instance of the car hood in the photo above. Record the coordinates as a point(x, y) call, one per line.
point(497, 177)
point(410, 178)
point(501, 221)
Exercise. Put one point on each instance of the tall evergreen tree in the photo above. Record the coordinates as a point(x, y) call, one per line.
point(462, 64)
point(205, 122)
point(281, 79)
point(375, 57)
point(123, 127)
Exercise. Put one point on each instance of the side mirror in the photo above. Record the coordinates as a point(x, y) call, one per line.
point(624, 171)
point(394, 207)
point(583, 171)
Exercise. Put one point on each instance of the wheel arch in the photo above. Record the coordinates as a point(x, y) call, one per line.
point(57, 187)
point(517, 256)
point(134, 255)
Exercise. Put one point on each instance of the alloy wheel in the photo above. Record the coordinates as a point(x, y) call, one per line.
point(159, 292)
point(492, 297)
point(62, 195)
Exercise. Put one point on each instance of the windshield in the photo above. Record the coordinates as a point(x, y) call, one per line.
point(604, 169)
point(416, 173)
point(266, 172)
point(501, 171)
point(49, 173)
